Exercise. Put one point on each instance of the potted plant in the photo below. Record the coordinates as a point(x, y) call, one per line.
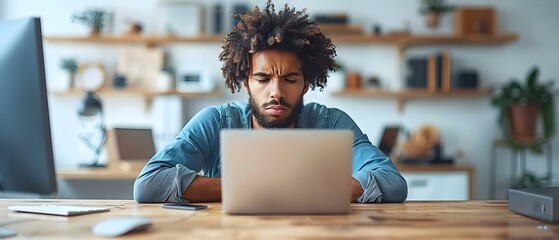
point(432, 9)
point(70, 65)
point(93, 18)
point(520, 106)
point(529, 180)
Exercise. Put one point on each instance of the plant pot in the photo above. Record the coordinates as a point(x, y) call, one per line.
point(522, 119)
point(95, 32)
point(353, 81)
point(432, 19)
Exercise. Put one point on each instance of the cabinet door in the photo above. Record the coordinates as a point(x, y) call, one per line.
point(438, 185)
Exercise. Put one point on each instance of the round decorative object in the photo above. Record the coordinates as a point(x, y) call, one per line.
point(427, 135)
point(91, 77)
point(421, 142)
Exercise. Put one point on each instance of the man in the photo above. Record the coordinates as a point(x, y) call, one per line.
point(276, 58)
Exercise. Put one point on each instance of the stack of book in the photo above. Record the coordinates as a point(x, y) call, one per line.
point(433, 72)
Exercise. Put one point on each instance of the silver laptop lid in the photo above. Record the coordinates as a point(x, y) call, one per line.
point(289, 171)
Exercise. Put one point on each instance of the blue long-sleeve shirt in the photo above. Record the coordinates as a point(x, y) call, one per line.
point(196, 150)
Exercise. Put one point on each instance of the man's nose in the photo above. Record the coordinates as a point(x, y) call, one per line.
point(276, 89)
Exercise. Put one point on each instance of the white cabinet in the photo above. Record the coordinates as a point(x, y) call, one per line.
point(438, 182)
point(438, 185)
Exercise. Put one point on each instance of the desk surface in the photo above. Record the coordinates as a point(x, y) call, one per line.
point(412, 220)
point(96, 174)
point(113, 174)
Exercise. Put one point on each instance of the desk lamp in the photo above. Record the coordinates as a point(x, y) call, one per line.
point(93, 132)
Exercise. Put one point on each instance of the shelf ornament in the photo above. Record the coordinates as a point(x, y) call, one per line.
point(433, 9)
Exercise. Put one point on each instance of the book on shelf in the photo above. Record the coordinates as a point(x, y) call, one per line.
point(432, 73)
point(446, 71)
point(439, 72)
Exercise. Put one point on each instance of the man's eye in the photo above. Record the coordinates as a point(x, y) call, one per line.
point(291, 80)
point(262, 80)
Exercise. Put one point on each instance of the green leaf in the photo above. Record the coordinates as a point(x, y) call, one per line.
point(532, 78)
point(536, 148)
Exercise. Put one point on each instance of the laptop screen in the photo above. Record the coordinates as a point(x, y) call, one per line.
point(388, 140)
point(134, 143)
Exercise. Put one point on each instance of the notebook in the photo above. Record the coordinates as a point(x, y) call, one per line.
point(289, 171)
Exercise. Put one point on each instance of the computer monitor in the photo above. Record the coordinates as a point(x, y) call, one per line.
point(26, 155)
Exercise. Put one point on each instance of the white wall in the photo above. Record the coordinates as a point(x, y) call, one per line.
point(466, 125)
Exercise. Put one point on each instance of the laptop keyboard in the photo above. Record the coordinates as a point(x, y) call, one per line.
point(61, 210)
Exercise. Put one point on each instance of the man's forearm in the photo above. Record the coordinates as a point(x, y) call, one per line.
point(356, 190)
point(203, 189)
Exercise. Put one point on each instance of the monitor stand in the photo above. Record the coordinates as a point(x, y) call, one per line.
point(91, 165)
point(6, 233)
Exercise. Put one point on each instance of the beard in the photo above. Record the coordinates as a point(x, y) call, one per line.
point(266, 122)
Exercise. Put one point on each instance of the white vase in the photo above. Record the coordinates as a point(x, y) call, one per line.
point(165, 82)
point(336, 82)
point(62, 81)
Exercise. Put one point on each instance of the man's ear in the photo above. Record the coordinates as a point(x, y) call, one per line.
point(306, 88)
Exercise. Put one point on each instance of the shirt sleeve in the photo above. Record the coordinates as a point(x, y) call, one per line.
point(171, 170)
point(376, 173)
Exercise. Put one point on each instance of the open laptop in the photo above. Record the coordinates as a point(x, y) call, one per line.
point(130, 148)
point(290, 171)
point(389, 139)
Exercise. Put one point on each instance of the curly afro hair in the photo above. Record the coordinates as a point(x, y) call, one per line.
point(287, 30)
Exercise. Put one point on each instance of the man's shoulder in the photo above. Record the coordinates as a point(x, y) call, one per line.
point(232, 114)
point(235, 107)
point(316, 115)
point(320, 109)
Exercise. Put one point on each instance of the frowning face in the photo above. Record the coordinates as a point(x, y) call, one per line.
point(276, 87)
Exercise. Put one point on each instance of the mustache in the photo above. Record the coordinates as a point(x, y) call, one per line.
point(281, 102)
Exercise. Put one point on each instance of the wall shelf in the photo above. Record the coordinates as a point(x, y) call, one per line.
point(423, 40)
point(138, 39)
point(401, 41)
point(133, 91)
point(148, 95)
point(402, 96)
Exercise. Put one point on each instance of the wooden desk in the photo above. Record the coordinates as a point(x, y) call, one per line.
point(412, 220)
point(96, 174)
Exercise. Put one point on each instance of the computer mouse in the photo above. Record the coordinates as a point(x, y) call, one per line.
point(6, 233)
point(118, 226)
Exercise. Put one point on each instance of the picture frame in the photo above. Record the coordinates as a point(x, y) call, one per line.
point(140, 65)
point(475, 21)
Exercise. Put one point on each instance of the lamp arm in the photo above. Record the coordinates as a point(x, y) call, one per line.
point(88, 142)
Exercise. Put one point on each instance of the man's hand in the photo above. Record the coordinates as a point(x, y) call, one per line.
point(203, 189)
point(356, 190)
